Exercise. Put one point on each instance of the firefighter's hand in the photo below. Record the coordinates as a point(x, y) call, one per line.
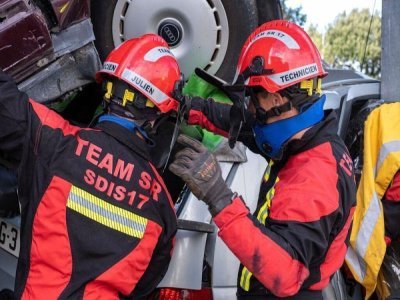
point(202, 173)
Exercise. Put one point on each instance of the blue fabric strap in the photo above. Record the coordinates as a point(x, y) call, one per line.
point(130, 125)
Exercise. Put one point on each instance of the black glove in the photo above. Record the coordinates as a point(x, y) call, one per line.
point(237, 114)
point(237, 93)
point(202, 173)
point(184, 100)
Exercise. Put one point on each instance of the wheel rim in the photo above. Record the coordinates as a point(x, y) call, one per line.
point(196, 30)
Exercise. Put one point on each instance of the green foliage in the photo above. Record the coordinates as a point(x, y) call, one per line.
point(345, 42)
point(294, 15)
point(316, 37)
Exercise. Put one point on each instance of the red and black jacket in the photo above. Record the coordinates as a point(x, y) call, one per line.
point(97, 220)
point(297, 238)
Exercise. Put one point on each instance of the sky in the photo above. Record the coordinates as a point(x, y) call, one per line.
point(323, 12)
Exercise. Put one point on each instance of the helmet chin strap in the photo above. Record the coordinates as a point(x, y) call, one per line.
point(262, 115)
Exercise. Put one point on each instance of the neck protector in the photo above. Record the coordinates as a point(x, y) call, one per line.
point(272, 138)
point(130, 125)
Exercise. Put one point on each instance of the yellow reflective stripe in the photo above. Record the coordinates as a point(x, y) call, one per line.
point(245, 279)
point(261, 217)
point(265, 214)
point(268, 170)
point(264, 210)
point(105, 213)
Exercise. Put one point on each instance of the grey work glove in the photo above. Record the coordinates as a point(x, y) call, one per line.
point(202, 174)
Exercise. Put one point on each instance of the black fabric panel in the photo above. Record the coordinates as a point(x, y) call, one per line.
point(95, 248)
point(14, 120)
point(264, 295)
point(391, 213)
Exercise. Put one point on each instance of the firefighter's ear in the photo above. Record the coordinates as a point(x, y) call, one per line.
point(277, 99)
point(269, 100)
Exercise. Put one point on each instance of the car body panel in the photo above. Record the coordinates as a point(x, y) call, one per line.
point(32, 35)
point(351, 92)
point(75, 65)
point(189, 246)
point(8, 262)
point(70, 11)
point(24, 38)
point(226, 293)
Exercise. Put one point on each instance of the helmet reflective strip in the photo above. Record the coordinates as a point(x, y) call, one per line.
point(156, 53)
point(144, 86)
point(276, 34)
point(109, 67)
point(294, 75)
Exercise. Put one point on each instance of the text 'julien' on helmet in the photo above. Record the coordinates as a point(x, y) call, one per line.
point(147, 65)
point(277, 55)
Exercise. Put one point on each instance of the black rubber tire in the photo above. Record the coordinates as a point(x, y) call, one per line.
point(102, 15)
point(269, 10)
point(242, 19)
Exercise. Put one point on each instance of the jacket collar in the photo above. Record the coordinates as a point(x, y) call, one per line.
point(316, 135)
point(126, 137)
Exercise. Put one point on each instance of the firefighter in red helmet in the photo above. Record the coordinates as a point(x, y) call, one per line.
point(297, 237)
point(97, 220)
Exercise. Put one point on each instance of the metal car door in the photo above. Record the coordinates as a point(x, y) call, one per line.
point(24, 38)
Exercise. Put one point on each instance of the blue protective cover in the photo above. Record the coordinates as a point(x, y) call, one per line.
point(276, 135)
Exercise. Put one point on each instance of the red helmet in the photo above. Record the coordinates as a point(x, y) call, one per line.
point(279, 54)
point(146, 64)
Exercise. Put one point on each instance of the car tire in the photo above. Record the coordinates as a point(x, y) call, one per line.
point(269, 10)
point(242, 18)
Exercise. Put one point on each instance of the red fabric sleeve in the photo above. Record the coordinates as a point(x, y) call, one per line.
point(393, 193)
point(198, 118)
point(391, 210)
point(274, 267)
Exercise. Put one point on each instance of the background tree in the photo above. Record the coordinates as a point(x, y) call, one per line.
point(316, 37)
point(294, 14)
point(345, 42)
